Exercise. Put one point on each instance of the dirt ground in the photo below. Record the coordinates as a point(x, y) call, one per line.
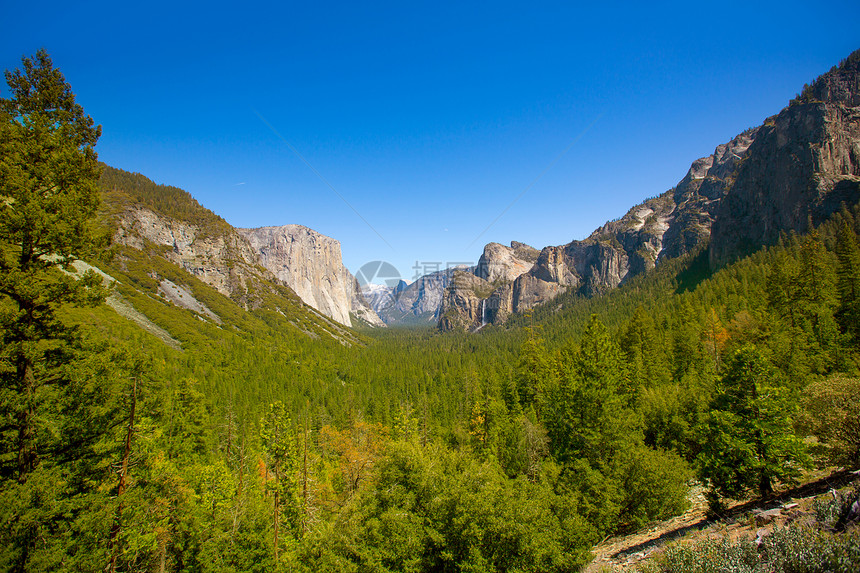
point(748, 518)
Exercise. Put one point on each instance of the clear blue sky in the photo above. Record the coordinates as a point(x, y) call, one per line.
point(429, 118)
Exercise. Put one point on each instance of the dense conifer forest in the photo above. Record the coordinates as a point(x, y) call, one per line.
point(262, 443)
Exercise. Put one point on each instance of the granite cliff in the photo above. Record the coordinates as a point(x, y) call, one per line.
point(499, 263)
point(463, 304)
point(310, 263)
point(804, 163)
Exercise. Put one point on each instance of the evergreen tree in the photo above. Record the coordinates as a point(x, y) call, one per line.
point(848, 282)
point(590, 417)
point(48, 194)
point(279, 443)
point(534, 375)
point(748, 442)
point(643, 353)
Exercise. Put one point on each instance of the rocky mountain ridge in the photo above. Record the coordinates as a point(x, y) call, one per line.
point(665, 226)
point(236, 261)
point(804, 163)
point(796, 169)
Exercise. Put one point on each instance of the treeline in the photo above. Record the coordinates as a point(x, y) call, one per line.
point(125, 188)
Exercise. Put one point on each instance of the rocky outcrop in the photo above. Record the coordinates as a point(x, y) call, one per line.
point(499, 263)
point(700, 192)
point(497, 269)
point(421, 302)
point(224, 260)
point(803, 164)
point(310, 264)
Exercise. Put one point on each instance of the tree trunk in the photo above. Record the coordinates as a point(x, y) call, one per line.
point(305, 483)
point(765, 488)
point(26, 456)
point(277, 510)
point(116, 529)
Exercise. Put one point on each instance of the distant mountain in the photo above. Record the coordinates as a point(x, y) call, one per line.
point(795, 170)
point(380, 297)
point(422, 302)
point(411, 304)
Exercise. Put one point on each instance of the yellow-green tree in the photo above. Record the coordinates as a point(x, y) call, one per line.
point(279, 442)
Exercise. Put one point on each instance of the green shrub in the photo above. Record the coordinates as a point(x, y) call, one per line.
point(787, 550)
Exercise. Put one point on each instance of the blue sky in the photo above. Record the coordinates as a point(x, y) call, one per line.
point(432, 121)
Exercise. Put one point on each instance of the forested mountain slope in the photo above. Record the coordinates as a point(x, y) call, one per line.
point(148, 220)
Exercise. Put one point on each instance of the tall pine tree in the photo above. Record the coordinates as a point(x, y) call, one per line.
point(48, 195)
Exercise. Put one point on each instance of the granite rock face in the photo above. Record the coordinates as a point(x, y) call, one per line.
point(224, 260)
point(499, 263)
point(487, 296)
point(804, 163)
point(463, 303)
point(663, 227)
point(416, 303)
point(310, 263)
point(698, 195)
point(594, 265)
